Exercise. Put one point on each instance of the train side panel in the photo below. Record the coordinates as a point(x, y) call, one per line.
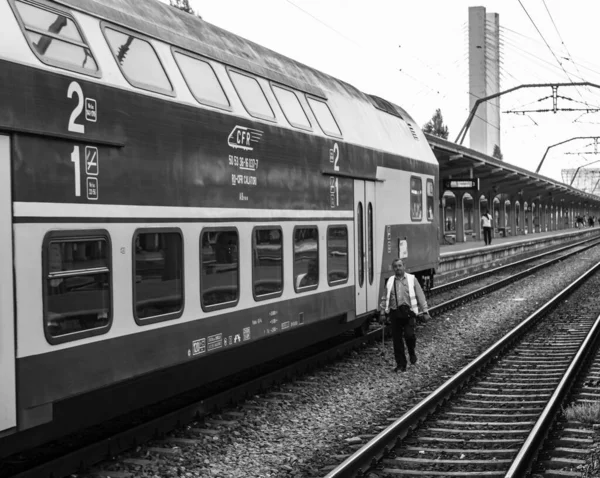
point(8, 419)
point(96, 158)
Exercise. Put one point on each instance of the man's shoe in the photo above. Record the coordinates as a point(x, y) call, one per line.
point(413, 359)
point(400, 369)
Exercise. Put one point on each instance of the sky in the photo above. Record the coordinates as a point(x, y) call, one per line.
point(415, 54)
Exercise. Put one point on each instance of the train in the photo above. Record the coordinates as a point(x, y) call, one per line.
point(180, 204)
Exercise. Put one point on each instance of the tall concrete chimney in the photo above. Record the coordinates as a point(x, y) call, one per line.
point(484, 78)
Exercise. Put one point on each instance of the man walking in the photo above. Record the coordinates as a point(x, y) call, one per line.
point(403, 299)
point(486, 224)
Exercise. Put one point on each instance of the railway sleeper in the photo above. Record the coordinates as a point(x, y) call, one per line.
point(479, 416)
point(572, 441)
point(475, 442)
point(460, 451)
point(562, 462)
point(565, 451)
point(440, 463)
point(473, 474)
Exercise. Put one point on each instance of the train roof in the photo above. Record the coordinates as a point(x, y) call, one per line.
point(178, 28)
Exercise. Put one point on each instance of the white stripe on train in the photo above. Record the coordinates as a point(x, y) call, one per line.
point(101, 211)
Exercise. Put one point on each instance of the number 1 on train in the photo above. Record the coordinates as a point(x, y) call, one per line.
point(75, 159)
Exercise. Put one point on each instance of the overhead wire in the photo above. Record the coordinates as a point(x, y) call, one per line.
point(544, 39)
point(562, 68)
point(561, 40)
point(548, 45)
point(506, 30)
point(401, 71)
point(427, 89)
point(546, 65)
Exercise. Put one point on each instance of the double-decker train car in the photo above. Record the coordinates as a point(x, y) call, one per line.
point(179, 204)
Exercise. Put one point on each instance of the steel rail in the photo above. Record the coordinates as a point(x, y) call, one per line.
point(526, 456)
point(382, 444)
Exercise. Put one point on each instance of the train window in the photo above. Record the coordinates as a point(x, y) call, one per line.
point(385, 105)
point(306, 258)
point(267, 263)
point(324, 116)
point(361, 244)
point(291, 107)
point(77, 285)
point(430, 200)
point(416, 198)
point(138, 61)
point(370, 242)
point(252, 95)
point(219, 268)
point(158, 275)
point(202, 80)
point(337, 255)
point(55, 38)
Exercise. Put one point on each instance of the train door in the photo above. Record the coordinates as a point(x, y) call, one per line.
point(364, 246)
point(7, 324)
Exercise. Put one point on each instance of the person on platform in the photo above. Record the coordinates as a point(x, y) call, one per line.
point(486, 224)
point(404, 298)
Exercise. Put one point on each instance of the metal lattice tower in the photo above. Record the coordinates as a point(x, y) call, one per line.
point(587, 180)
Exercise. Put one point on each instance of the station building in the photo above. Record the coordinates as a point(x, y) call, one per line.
point(520, 201)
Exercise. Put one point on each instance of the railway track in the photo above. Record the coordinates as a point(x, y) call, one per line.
point(159, 423)
point(507, 269)
point(492, 417)
point(568, 446)
point(442, 301)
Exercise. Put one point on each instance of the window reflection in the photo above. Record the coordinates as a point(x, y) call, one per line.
point(361, 244)
point(77, 285)
point(371, 257)
point(252, 95)
point(429, 200)
point(46, 21)
point(201, 80)
point(65, 52)
point(337, 254)
point(267, 261)
point(138, 60)
point(290, 104)
point(158, 274)
point(219, 267)
point(55, 38)
point(306, 258)
point(324, 117)
point(416, 199)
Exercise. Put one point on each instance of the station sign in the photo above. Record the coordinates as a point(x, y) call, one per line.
point(461, 183)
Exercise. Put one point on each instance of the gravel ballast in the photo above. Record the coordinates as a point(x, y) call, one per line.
point(302, 428)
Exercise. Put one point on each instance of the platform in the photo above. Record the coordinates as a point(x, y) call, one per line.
point(465, 258)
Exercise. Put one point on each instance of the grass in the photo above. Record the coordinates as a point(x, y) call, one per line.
point(588, 412)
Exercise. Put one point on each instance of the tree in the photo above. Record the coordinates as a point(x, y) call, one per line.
point(436, 126)
point(182, 5)
point(497, 153)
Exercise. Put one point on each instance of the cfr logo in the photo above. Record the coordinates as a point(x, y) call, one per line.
point(244, 138)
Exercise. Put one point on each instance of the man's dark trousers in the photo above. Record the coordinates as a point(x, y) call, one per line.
point(403, 329)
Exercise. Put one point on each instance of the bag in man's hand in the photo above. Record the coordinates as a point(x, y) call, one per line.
point(406, 311)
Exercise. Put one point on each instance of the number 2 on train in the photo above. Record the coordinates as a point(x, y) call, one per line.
point(336, 157)
point(75, 88)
